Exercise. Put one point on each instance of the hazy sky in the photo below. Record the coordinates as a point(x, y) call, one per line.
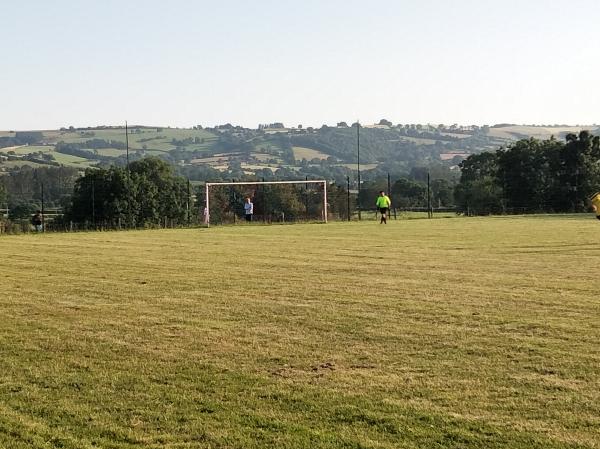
point(181, 63)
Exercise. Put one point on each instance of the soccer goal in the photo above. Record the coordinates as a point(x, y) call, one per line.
point(271, 201)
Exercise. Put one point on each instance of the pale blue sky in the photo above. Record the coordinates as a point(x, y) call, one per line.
point(182, 63)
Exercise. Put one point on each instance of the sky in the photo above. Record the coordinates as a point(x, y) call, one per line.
point(313, 62)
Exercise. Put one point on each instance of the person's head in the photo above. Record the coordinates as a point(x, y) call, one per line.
point(247, 199)
point(382, 193)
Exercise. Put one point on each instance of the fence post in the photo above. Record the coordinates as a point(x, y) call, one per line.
point(429, 212)
point(348, 195)
point(43, 219)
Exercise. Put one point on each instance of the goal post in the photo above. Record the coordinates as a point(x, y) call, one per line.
point(208, 186)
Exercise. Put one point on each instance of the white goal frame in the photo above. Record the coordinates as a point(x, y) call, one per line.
point(208, 185)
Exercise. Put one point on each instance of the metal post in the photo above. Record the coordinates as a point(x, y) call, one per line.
point(348, 195)
point(43, 219)
point(389, 192)
point(358, 165)
point(129, 215)
point(127, 144)
point(325, 201)
point(306, 199)
point(207, 207)
point(429, 214)
point(93, 204)
point(265, 203)
point(188, 203)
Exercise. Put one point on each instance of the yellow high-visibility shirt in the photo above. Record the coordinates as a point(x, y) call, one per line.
point(596, 203)
point(383, 201)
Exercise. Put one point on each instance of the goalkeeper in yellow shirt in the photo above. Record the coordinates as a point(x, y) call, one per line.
point(595, 199)
point(383, 204)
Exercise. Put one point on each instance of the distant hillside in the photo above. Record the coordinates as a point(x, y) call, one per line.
point(267, 149)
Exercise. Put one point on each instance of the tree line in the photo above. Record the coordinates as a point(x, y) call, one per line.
point(532, 176)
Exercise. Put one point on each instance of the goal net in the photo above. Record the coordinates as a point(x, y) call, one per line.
point(266, 201)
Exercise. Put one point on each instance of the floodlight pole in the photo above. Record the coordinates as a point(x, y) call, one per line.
point(358, 164)
point(127, 145)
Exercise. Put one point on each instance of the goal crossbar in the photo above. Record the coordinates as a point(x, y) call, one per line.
point(250, 183)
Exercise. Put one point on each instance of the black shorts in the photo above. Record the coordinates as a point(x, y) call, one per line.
point(383, 210)
point(248, 217)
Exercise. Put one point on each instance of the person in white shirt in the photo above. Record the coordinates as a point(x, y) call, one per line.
point(248, 209)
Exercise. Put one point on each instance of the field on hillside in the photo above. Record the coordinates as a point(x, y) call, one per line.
point(445, 333)
point(539, 132)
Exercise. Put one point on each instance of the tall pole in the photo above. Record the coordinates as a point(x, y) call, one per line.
point(127, 145)
point(129, 215)
point(358, 164)
point(207, 207)
point(93, 204)
point(429, 214)
point(43, 219)
point(389, 191)
point(348, 195)
point(188, 203)
point(306, 198)
point(325, 201)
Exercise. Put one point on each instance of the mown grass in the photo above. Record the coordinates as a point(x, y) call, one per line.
point(461, 333)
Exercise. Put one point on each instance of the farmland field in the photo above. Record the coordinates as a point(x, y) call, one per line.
point(445, 333)
point(308, 154)
point(538, 132)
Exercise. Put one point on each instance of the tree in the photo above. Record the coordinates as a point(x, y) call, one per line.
point(2, 195)
point(144, 196)
point(409, 193)
point(579, 169)
point(442, 193)
point(523, 175)
point(482, 196)
point(478, 191)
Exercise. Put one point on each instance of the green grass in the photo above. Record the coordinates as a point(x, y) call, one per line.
point(27, 149)
point(160, 141)
point(73, 161)
point(447, 333)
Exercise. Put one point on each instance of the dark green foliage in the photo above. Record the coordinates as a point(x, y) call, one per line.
point(2, 195)
point(25, 185)
point(21, 138)
point(532, 176)
point(28, 137)
point(408, 193)
point(146, 196)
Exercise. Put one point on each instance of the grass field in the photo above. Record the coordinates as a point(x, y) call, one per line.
point(446, 333)
point(153, 140)
point(539, 132)
point(308, 154)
